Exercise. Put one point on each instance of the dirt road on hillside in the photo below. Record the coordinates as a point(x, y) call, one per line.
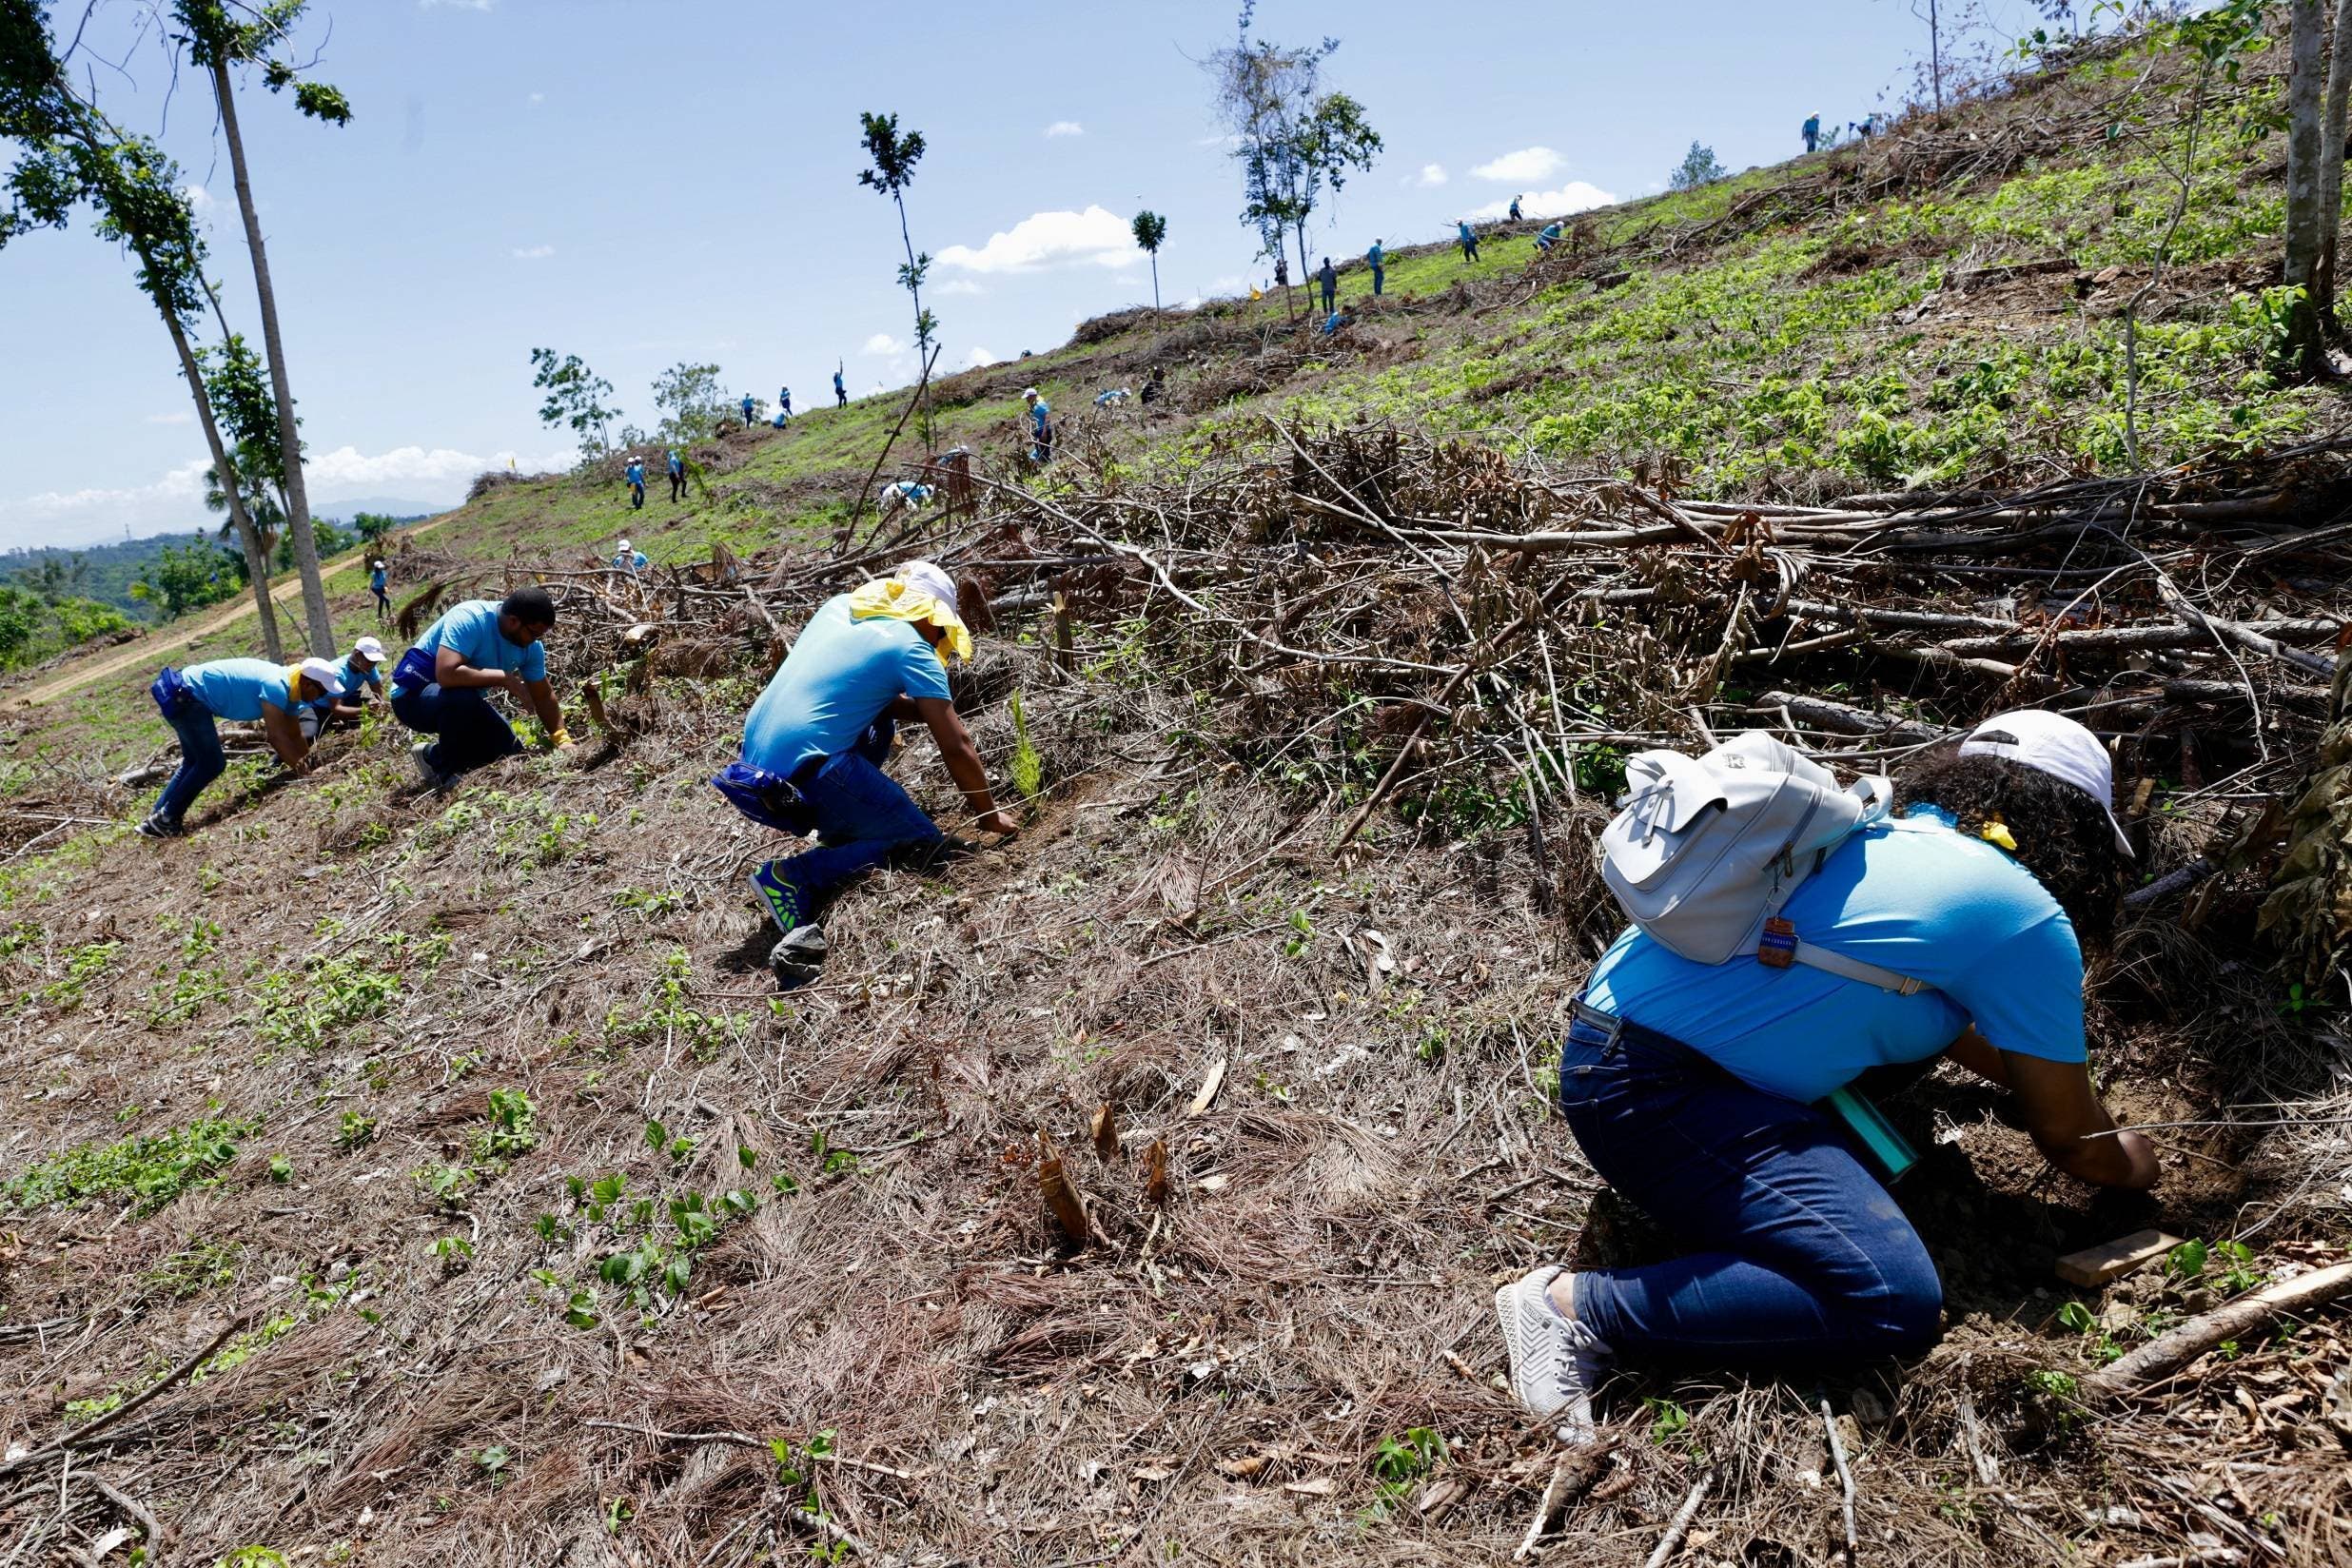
point(179, 633)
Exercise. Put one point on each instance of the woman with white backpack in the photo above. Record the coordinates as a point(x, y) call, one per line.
point(1788, 936)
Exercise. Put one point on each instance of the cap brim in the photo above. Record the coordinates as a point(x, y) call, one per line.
point(2123, 841)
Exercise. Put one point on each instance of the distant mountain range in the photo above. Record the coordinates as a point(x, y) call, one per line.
point(107, 569)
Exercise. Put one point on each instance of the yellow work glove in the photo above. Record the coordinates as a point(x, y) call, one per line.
point(561, 740)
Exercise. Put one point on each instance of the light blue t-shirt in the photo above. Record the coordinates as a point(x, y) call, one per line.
point(352, 680)
point(472, 628)
point(633, 561)
point(838, 677)
point(1039, 411)
point(1375, 255)
point(676, 466)
point(636, 473)
point(1911, 895)
point(376, 577)
point(235, 689)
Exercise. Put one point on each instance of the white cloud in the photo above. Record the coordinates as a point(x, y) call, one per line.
point(535, 253)
point(454, 4)
point(1066, 128)
point(1524, 168)
point(178, 416)
point(200, 201)
point(979, 357)
point(1049, 239)
point(959, 286)
point(1431, 174)
point(1575, 196)
point(882, 342)
point(538, 98)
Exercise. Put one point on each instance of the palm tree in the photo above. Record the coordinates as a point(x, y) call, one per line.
point(264, 503)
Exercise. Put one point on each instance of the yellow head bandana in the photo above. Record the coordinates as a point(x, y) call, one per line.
point(897, 600)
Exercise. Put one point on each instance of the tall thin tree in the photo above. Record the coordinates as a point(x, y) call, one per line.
point(216, 41)
point(2336, 124)
point(894, 157)
point(1151, 232)
point(2305, 352)
point(72, 156)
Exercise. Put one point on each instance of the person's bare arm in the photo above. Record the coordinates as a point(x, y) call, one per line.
point(2072, 1129)
point(286, 738)
point(1979, 1054)
point(450, 670)
point(963, 761)
point(550, 711)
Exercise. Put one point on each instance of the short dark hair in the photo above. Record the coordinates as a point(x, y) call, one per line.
point(2062, 835)
point(532, 606)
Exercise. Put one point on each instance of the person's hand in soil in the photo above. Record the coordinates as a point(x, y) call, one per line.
point(999, 822)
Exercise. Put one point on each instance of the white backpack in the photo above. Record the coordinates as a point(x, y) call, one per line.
point(1706, 850)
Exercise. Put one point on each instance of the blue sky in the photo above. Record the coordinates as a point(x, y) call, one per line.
point(641, 182)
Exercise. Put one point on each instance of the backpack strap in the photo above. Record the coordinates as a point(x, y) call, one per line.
point(1855, 969)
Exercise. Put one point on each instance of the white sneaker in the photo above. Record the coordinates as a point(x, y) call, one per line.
point(426, 773)
point(1555, 1363)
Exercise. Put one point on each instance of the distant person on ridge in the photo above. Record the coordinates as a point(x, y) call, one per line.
point(677, 475)
point(1515, 209)
point(841, 393)
point(379, 584)
point(441, 686)
point(636, 483)
point(1282, 272)
point(1375, 257)
point(629, 558)
point(1812, 132)
point(815, 742)
point(239, 690)
point(360, 671)
point(748, 403)
point(1041, 427)
point(784, 400)
point(1468, 238)
point(1549, 236)
point(1150, 393)
point(910, 495)
point(1329, 279)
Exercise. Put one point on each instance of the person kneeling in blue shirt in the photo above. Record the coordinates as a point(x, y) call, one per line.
point(239, 690)
point(441, 686)
point(816, 741)
point(1691, 1087)
point(358, 674)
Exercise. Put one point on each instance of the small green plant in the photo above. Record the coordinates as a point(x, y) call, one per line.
point(510, 1131)
point(281, 1169)
point(1668, 1421)
point(357, 1131)
point(1301, 935)
point(2186, 1261)
point(796, 1470)
point(1398, 1463)
point(306, 1010)
point(493, 1462)
point(146, 1172)
point(1027, 768)
point(648, 906)
point(2077, 1317)
point(87, 964)
point(453, 1253)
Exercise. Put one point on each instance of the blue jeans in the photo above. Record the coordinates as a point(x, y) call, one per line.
point(1803, 1257)
point(1380, 276)
point(201, 761)
point(472, 733)
point(862, 818)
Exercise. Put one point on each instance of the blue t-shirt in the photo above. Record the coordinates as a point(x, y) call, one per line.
point(677, 464)
point(352, 680)
point(1373, 255)
point(633, 561)
point(235, 689)
point(1464, 228)
point(376, 577)
point(472, 628)
point(838, 677)
point(637, 472)
point(747, 405)
point(1914, 896)
point(1038, 411)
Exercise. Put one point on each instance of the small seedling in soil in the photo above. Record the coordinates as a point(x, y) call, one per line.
point(494, 1461)
point(2074, 1315)
point(281, 1169)
point(358, 1130)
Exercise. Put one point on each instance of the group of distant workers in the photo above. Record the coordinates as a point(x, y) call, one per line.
point(1326, 277)
point(1861, 131)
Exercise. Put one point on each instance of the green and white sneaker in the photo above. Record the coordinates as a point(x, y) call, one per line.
point(1555, 1363)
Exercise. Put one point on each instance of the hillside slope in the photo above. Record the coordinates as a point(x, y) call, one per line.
point(398, 1178)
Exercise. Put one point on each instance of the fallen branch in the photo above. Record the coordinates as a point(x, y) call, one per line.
point(2168, 1353)
point(1681, 1524)
point(90, 1429)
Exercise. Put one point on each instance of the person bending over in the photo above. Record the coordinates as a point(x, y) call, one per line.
point(814, 744)
point(441, 686)
point(241, 690)
point(360, 674)
point(1692, 1086)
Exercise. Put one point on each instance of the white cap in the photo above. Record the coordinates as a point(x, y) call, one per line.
point(2057, 745)
point(624, 547)
point(930, 579)
point(370, 648)
point(321, 671)
point(1029, 392)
